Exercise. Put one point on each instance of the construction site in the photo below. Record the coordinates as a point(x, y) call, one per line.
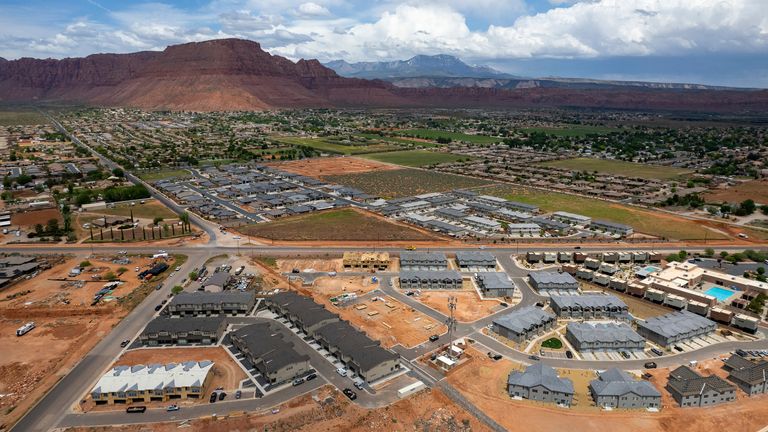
point(69, 320)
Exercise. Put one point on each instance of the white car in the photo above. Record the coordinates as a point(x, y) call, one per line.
point(341, 371)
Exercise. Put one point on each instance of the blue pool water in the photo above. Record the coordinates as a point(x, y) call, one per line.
point(721, 294)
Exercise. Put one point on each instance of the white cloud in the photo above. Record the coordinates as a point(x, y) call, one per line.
point(311, 9)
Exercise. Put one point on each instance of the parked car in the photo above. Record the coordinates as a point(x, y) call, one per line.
point(434, 337)
point(569, 354)
point(222, 395)
point(504, 304)
point(534, 357)
point(158, 307)
point(213, 397)
point(657, 352)
point(359, 385)
point(341, 371)
point(310, 377)
point(650, 365)
point(350, 393)
point(124, 343)
point(678, 349)
point(624, 354)
point(173, 407)
point(136, 409)
point(298, 381)
point(238, 394)
point(647, 376)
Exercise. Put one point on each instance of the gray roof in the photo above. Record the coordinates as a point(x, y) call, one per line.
point(364, 351)
point(687, 382)
point(270, 343)
point(616, 382)
point(469, 258)
point(593, 301)
point(305, 309)
point(603, 332)
point(15, 260)
point(547, 277)
point(540, 374)
point(524, 319)
point(218, 279)
point(675, 323)
point(609, 224)
point(421, 258)
point(199, 297)
point(430, 274)
point(495, 280)
point(177, 325)
point(754, 373)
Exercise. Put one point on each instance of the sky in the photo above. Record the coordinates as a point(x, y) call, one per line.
point(718, 42)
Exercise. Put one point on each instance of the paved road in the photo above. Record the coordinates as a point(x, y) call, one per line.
point(78, 381)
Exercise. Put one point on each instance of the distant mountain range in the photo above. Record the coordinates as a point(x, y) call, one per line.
point(440, 65)
point(236, 74)
point(446, 71)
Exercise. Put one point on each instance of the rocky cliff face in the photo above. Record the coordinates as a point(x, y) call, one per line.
point(234, 74)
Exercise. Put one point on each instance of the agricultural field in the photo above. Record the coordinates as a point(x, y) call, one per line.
point(434, 134)
point(572, 131)
point(329, 145)
point(617, 167)
point(151, 176)
point(415, 158)
point(396, 140)
point(337, 225)
point(643, 221)
point(404, 182)
point(21, 116)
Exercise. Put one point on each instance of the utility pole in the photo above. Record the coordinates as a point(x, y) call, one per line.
point(451, 323)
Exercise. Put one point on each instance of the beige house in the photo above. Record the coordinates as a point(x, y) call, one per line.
point(366, 260)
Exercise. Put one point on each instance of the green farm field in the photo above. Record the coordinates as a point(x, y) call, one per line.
point(434, 134)
point(628, 169)
point(326, 145)
point(397, 140)
point(21, 116)
point(415, 158)
point(643, 221)
point(404, 182)
point(336, 225)
point(163, 174)
point(571, 131)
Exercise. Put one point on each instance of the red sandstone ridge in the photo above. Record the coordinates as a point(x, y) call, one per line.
point(235, 74)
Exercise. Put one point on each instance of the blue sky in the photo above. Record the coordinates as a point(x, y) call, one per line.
point(723, 42)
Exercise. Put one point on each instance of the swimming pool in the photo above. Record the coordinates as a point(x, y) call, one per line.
point(720, 293)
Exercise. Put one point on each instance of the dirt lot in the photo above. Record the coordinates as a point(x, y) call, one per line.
point(34, 217)
point(64, 333)
point(483, 380)
point(327, 410)
point(391, 322)
point(316, 264)
point(469, 307)
point(327, 286)
point(331, 166)
point(756, 190)
point(346, 225)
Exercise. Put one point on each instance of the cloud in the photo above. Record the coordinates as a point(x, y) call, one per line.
point(311, 9)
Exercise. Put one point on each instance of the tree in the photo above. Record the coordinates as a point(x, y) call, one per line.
point(709, 252)
point(121, 270)
point(85, 263)
point(23, 179)
point(757, 304)
point(110, 276)
point(118, 172)
point(39, 229)
point(53, 226)
point(177, 289)
point(157, 220)
point(7, 183)
point(764, 209)
point(193, 275)
point(723, 254)
point(761, 270)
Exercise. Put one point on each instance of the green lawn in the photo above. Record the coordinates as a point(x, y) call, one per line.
point(434, 134)
point(553, 343)
point(617, 167)
point(643, 221)
point(163, 174)
point(328, 146)
point(396, 140)
point(21, 116)
point(415, 158)
point(571, 131)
